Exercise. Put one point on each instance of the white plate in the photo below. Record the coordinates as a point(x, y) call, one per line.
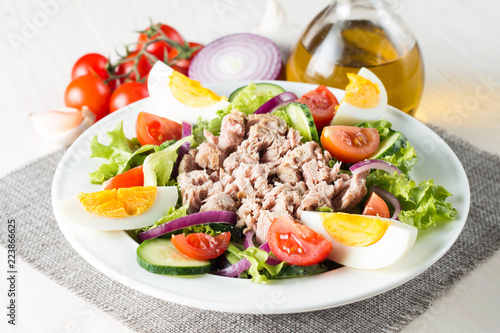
point(114, 253)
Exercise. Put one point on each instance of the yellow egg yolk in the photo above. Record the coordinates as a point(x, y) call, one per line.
point(190, 92)
point(122, 202)
point(354, 230)
point(361, 92)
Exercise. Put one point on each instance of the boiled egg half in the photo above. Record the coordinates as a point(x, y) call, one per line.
point(117, 209)
point(365, 99)
point(179, 98)
point(362, 241)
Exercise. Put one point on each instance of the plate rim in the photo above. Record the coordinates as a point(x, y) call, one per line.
point(232, 307)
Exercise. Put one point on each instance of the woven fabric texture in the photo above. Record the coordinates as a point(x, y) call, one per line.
point(26, 198)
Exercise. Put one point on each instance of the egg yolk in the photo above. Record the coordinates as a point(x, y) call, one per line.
point(190, 92)
point(361, 92)
point(122, 202)
point(354, 230)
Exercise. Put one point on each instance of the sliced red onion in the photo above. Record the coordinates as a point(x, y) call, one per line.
point(188, 221)
point(234, 270)
point(277, 102)
point(373, 164)
point(248, 241)
point(238, 57)
point(389, 197)
point(186, 129)
point(270, 260)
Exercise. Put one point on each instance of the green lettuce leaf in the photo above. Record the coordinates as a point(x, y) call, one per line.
point(383, 127)
point(122, 154)
point(422, 205)
point(257, 260)
point(281, 113)
point(404, 159)
point(158, 166)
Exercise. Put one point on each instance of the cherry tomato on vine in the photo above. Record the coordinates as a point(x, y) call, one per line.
point(127, 66)
point(159, 49)
point(154, 130)
point(93, 63)
point(126, 94)
point(88, 90)
point(185, 56)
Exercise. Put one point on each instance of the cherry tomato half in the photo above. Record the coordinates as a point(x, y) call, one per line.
point(130, 178)
point(126, 94)
point(200, 245)
point(321, 103)
point(154, 130)
point(297, 244)
point(350, 144)
point(143, 67)
point(159, 49)
point(88, 90)
point(92, 63)
point(376, 206)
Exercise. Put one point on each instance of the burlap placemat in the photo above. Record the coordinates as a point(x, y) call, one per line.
point(25, 197)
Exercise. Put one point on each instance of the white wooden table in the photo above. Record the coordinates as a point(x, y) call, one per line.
point(39, 43)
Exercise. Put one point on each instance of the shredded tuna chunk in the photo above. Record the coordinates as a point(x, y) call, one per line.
point(259, 169)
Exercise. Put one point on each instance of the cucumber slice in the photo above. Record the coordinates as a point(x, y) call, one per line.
point(390, 146)
point(261, 88)
point(160, 256)
point(302, 120)
point(292, 271)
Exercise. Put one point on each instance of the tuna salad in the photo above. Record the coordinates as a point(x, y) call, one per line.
point(258, 168)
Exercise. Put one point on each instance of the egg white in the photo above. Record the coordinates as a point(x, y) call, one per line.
point(348, 114)
point(397, 241)
point(167, 105)
point(71, 210)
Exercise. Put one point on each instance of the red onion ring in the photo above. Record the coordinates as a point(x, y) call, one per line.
point(188, 221)
point(248, 241)
point(276, 102)
point(238, 57)
point(373, 164)
point(389, 197)
point(234, 270)
point(270, 260)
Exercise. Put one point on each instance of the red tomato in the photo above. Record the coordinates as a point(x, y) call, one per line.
point(200, 245)
point(154, 130)
point(297, 244)
point(350, 144)
point(376, 206)
point(321, 103)
point(182, 64)
point(143, 67)
point(159, 49)
point(126, 94)
point(130, 178)
point(92, 63)
point(88, 90)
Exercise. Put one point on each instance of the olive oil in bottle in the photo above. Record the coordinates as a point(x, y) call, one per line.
point(334, 45)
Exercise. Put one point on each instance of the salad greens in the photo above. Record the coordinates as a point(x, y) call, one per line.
point(422, 204)
point(158, 166)
point(257, 260)
point(122, 154)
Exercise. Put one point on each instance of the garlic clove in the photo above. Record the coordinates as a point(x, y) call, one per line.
point(62, 126)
